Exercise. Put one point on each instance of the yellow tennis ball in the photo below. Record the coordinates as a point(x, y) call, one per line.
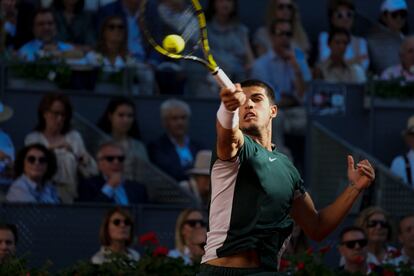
point(173, 43)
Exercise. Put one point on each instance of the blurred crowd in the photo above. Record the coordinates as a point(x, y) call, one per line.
point(55, 166)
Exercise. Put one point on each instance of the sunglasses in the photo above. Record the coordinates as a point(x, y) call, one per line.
point(285, 7)
point(401, 14)
point(347, 15)
point(374, 223)
point(115, 27)
point(33, 159)
point(352, 244)
point(117, 222)
point(287, 34)
point(193, 222)
point(112, 158)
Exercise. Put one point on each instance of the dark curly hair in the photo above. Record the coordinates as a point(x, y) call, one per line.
point(105, 124)
point(50, 157)
point(58, 5)
point(44, 106)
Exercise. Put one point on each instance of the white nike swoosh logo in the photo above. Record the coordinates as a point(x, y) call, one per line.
point(272, 159)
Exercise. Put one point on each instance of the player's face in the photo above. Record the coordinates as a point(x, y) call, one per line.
point(257, 112)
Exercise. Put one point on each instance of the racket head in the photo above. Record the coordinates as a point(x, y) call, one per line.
point(179, 17)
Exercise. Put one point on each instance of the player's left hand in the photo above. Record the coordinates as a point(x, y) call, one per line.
point(362, 175)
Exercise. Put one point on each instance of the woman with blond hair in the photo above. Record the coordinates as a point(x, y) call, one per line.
point(281, 10)
point(190, 236)
point(116, 235)
point(377, 224)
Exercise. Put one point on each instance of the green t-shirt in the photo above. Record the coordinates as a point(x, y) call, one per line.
point(251, 199)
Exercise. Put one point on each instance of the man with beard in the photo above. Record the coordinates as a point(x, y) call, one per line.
point(256, 192)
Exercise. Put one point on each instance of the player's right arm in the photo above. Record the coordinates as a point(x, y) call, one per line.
point(229, 136)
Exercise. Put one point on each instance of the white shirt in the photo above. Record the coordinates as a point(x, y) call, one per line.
point(398, 167)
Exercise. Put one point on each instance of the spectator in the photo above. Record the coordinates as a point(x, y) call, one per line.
point(353, 249)
point(190, 236)
point(229, 38)
point(199, 182)
point(284, 67)
point(34, 168)
point(128, 10)
point(336, 68)
point(16, 16)
point(111, 186)
point(113, 56)
point(281, 10)
point(6, 147)
point(376, 224)
point(54, 131)
point(174, 151)
point(116, 235)
point(44, 42)
point(405, 69)
point(406, 238)
point(119, 121)
point(386, 37)
point(341, 16)
point(73, 24)
point(8, 241)
point(403, 165)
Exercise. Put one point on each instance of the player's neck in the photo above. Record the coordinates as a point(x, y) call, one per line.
point(263, 139)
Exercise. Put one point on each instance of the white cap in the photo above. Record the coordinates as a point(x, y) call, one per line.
point(393, 5)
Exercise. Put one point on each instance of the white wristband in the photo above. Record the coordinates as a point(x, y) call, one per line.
point(228, 119)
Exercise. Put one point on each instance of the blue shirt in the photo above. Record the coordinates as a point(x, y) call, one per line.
point(25, 190)
point(118, 193)
point(30, 50)
point(278, 73)
point(135, 44)
point(184, 152)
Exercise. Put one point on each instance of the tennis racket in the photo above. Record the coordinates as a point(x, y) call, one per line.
point(186, 19)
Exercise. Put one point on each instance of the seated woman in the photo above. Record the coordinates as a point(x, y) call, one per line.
point(116, 235)
point(229, 38)
point(34, 168)
point(341, 16)
point(190, 236)
point(112, 54)
point(377, 225)
point(119, 121)
point(281, 10)
point(54, 131)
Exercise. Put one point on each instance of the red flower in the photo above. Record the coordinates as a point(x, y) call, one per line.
point(284, 264)
point(325, 249)
point(309, 251)
point(388, 273)
point(148, 238)
point(359, 259)
point(372, 266)
point(160, 251)
point(300, 266)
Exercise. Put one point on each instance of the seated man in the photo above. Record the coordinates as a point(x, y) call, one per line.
point(44, 42)
point(403, 165)
point(335, 68)
point(8, 240)
point(199, 182)
point(406, 237)
point(353, 248)
point(174, 151)
point(405, 69)
point(110, 186)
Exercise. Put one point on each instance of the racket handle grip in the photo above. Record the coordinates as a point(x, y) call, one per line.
point(223, 80)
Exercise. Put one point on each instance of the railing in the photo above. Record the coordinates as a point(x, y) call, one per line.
point(328, 175)
point(65, 234)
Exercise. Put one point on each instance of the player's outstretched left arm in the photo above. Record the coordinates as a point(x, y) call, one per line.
point(319, 224)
